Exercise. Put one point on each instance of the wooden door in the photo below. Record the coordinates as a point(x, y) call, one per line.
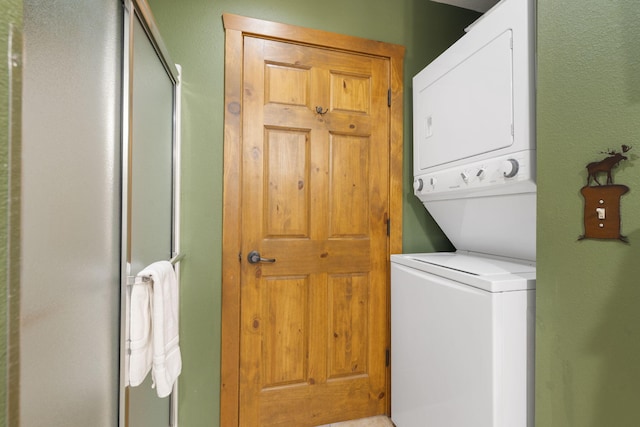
point(315, 198)
point(314, 184)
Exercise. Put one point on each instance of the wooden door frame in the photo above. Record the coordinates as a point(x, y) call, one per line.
point(236, 28)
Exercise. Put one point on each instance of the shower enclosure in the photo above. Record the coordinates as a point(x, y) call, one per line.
point(100, 179)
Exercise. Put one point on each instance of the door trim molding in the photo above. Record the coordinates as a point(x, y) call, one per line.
point(236, 28)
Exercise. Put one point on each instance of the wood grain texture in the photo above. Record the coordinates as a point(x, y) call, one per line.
point(324, 272)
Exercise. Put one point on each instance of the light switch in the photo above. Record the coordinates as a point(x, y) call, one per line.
point(601, 213)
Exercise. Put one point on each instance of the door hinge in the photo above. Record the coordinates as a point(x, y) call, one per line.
point(387, 357)
point(388, 227)
point(389, 98)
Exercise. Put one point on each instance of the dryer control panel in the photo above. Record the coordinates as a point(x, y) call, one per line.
point(508, 174)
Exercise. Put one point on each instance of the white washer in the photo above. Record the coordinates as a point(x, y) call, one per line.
point(462, 341)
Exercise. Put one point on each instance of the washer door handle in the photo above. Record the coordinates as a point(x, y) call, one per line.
point(254, 258)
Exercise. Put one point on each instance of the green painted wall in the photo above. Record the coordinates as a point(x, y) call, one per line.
point(10, 31)
point(4, 213)
point(588, 292)
point(194, 35)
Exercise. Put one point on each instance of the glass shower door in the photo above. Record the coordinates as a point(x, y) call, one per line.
point(149, 200)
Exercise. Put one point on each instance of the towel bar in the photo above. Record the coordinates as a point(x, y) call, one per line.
point(176, 259)
point(131, 280)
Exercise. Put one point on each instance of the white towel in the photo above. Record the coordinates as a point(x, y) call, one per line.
point(167, 362)
point(140, 339)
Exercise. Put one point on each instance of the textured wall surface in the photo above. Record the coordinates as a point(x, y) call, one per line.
point(588, 292)
point(10, 85)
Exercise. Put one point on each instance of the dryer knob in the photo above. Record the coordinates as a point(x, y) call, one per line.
point(510, 168)
point(418, 184)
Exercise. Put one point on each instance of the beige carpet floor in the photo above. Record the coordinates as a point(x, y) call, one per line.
point(379, 421)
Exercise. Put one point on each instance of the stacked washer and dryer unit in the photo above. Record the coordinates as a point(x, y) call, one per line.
point(462, 323)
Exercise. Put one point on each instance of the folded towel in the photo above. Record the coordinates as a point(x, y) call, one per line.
point(167, 362)
point(140, 338)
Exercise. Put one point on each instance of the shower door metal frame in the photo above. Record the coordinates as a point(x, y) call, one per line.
point(140, 10)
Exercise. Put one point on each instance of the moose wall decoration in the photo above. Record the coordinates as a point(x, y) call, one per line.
point(602, 202)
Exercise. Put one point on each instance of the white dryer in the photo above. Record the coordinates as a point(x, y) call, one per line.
point(462, 323)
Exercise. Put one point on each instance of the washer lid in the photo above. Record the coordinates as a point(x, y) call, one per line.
point(474, 264)
point(489, 273)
